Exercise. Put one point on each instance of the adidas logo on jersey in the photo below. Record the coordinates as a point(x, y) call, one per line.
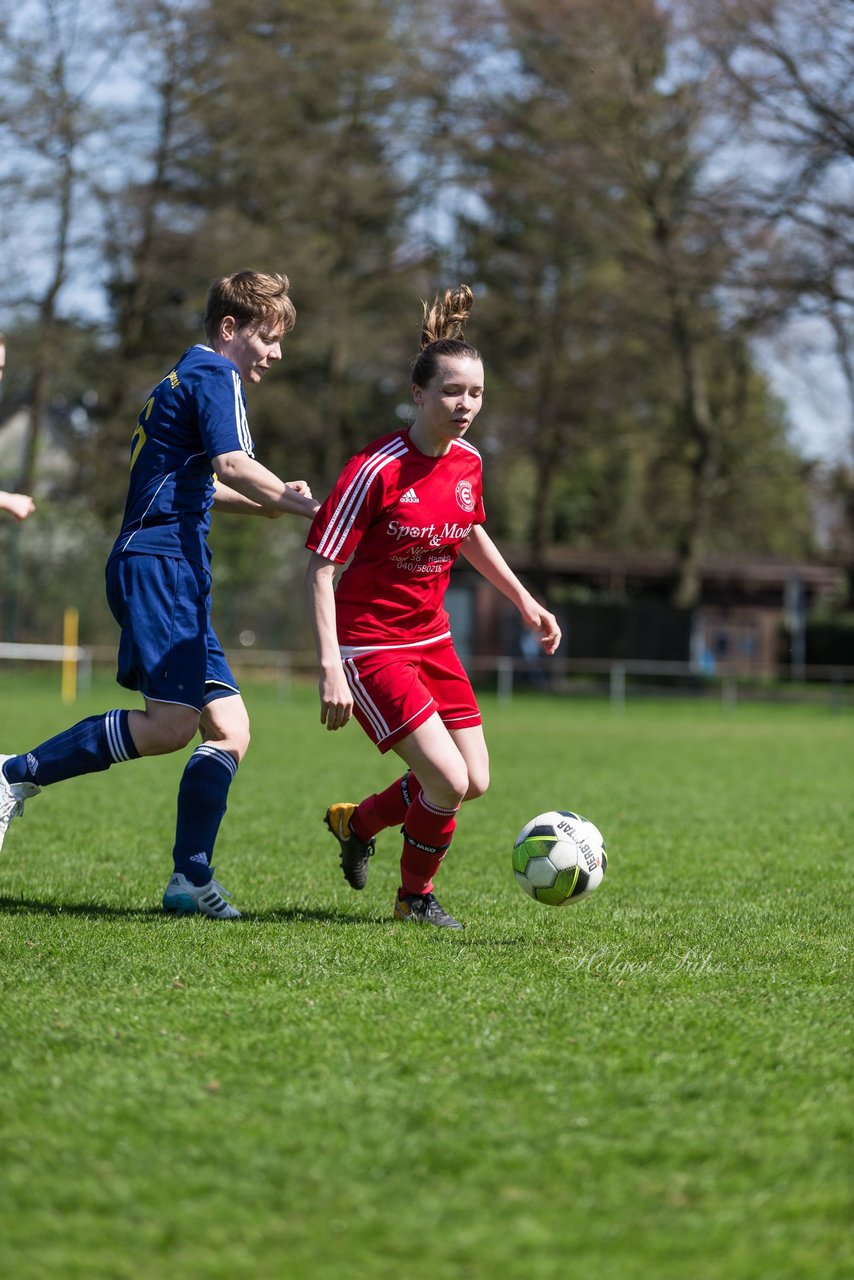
point(409, 496)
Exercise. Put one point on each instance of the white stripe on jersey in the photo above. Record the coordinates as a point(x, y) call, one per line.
point(147, 509)
point(240, 420)
point(342, 518)
point(141, 523)
point(464, 444)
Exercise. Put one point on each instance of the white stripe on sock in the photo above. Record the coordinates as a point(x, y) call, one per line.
point(434, 808)
point(115, 741)
point(215, 753)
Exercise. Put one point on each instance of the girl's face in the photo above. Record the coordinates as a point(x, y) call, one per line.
point(449, 404)
point(252, 347)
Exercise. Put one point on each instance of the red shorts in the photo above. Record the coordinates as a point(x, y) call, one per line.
point(397, 688)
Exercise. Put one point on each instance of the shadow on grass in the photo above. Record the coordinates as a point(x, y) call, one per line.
point(296, 915)
point(279, 915)
point(35, 906)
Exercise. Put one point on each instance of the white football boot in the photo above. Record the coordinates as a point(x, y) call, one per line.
point(12, 797)
point(183, 898)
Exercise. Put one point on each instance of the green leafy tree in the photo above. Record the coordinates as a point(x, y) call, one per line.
point(279, 158)
point(606, 250)
point(52, 60)
point(786, 89)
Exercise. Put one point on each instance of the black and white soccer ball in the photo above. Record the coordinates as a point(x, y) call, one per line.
point(559, 858)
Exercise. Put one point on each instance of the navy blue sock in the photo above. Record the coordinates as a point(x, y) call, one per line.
point(202, 798)
point(87, 747)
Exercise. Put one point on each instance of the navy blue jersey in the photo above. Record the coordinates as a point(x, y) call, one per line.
point(195, 413)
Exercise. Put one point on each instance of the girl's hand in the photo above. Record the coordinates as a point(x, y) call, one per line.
point(336, 700)
point(543, 622)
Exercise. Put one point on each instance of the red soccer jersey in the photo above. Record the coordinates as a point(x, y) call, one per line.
point(401, 516)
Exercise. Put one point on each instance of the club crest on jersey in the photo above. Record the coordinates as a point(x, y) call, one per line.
point(465, 497)
point(409, 496)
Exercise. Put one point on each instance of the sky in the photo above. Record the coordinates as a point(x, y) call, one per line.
point(808, 380)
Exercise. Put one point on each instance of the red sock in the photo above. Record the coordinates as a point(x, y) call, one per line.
point(428, 832)
point(387, 808)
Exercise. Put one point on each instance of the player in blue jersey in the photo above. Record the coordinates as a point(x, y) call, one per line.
point(191, 452)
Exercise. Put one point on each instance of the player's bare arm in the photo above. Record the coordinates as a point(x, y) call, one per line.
point(230, 502)
point(18, 505)
point(243, 475)
point(483, 555)
point(336, 700)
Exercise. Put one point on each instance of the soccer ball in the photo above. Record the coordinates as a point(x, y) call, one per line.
point(559, 858)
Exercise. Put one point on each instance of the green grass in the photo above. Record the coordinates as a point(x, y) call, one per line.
point(651, 1084)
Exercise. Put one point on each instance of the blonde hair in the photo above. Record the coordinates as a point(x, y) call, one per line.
point(442, 328)
point(249, 296)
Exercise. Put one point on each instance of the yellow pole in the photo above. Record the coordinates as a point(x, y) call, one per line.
point(70, 622)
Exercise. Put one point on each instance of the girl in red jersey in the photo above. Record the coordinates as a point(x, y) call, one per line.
point(401, 511)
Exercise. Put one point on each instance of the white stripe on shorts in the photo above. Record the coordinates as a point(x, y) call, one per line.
point(364, 701)
point(414, 716)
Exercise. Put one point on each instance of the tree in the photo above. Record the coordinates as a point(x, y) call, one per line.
point(51, 66)
point(568, 158)
point(149, 248)
point(283, 150)
point(605, 249)
point(787, 90)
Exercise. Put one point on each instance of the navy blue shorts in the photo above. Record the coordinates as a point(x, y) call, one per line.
point(168, 649)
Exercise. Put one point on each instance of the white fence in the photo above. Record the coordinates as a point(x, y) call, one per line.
point(555, 677)
point(622, 679)
point(74, 660)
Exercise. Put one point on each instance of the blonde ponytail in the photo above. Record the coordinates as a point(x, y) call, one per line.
point(446, 316)
point(442, 333)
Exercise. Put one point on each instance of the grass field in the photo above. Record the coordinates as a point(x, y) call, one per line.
point(653, 1084)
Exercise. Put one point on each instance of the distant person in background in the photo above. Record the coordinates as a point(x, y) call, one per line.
point(400, 512)
point(19, 505)
point(191, 451)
